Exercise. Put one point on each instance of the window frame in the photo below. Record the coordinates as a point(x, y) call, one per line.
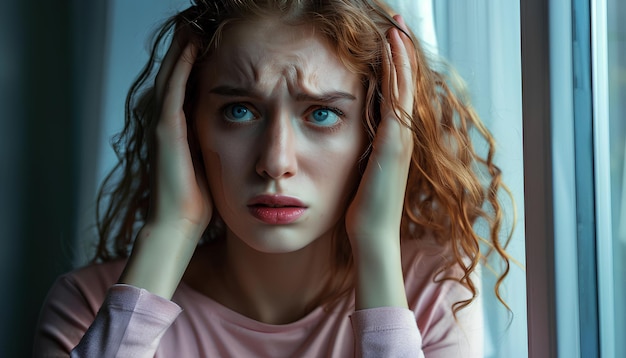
point(538, 190)
point(567, 178)
point(602, 171)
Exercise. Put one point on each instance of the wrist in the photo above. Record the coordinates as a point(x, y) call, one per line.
point(182, 228)
point(379, 277)
point(160, 257)
point(375, 245)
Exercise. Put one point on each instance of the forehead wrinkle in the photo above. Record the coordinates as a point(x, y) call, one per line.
point(289, 70)
point(265, 66)
point(303, 83)
point(302, 77)
point(247, 70)
point(238, 74)
point(264, 78)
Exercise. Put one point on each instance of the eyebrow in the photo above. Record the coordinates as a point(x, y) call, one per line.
point(330, 96)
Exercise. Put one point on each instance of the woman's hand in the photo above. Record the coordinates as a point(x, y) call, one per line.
point(373, 218)
point(180, 195)
point(181, 206)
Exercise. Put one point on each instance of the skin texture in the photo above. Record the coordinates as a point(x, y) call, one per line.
point(286, 137)
point(274, 145)
point(278, 147)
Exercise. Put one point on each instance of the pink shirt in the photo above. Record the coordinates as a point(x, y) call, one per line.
point(135, 323)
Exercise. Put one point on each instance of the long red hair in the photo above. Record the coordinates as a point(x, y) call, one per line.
point(451, 186)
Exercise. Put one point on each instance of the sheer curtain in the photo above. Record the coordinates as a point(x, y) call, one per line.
point(481, 40)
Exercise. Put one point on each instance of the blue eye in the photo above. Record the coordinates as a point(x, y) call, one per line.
point(238, 113)
point(326, 117)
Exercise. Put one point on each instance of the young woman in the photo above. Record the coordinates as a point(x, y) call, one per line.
point(299, 181)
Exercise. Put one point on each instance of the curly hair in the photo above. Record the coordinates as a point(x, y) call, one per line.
point(450, 186)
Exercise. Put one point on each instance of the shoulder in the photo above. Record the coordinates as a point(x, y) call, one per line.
point(431, 297)
point(425, 263)
point(72, 304)
point(86, 286)
point(430, 271)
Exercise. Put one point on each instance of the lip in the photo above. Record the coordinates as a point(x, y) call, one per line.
point(276, 209)
point(276, 200)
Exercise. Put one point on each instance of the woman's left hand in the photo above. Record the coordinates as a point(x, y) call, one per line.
point(373, 218)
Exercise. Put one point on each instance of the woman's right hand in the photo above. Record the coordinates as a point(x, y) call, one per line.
point(181, 206)
point(180, 196)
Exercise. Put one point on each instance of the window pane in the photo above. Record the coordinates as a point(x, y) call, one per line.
point(616, 36)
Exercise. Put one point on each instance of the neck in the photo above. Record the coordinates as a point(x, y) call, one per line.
point(270, 288)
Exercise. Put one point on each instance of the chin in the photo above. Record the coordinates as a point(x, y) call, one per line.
point(279, 245)
point(276, 240)
point(276, 247)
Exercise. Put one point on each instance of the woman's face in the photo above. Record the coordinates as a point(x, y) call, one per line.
point(279, 122)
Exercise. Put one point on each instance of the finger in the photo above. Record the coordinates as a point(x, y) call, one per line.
point(174, 92)
point(167, 65)
point(389, 77)
point(169, 61)
point(394, 137)
point(393, 134)
point(397, 93)
point(402, 65)
point(400, 20)
point(407, 41)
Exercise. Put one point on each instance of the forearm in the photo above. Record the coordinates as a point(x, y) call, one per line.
point(159, 258)
point(379, 280)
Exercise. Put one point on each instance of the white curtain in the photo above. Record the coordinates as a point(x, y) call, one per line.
point(481, 40)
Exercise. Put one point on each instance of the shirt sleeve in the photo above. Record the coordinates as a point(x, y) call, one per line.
point(386, 332)
point(129, 323)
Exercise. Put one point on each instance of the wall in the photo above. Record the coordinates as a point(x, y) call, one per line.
point(46, 65)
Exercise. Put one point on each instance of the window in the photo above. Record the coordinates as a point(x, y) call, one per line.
point(578, 311)
point(609, 43)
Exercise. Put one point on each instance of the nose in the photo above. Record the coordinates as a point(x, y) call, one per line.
point(277, 158)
